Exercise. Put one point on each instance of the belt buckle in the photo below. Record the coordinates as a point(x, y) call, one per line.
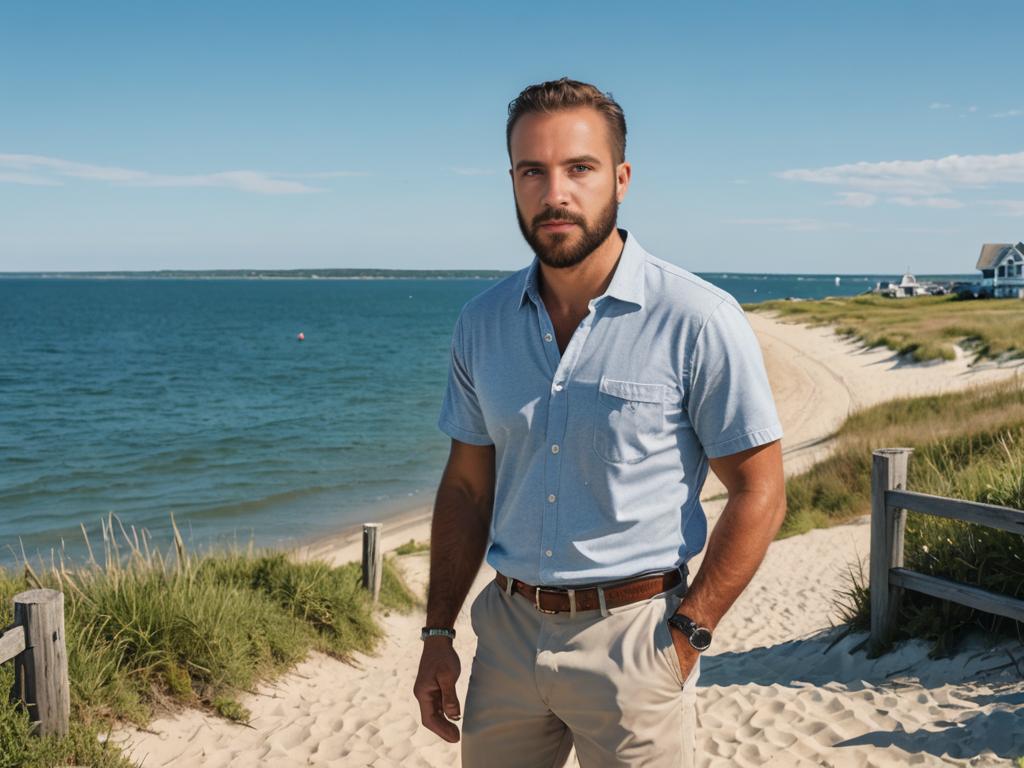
point(536, 601)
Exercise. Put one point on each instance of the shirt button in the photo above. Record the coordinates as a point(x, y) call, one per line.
point(559, 387)
point(548, 553)
point(554, 448)
point(551, 498)
point(547, 337)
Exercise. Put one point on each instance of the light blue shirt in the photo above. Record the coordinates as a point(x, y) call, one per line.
point(601, 452)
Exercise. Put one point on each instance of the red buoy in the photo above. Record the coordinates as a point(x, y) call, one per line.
point(301, 336)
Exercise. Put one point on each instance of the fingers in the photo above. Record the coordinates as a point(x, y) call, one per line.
point(449, 699)
point(433, 709)
point(432, 717)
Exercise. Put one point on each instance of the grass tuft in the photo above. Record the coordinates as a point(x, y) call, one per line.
point(924, 328)
point(412, 546)
point(147, 632)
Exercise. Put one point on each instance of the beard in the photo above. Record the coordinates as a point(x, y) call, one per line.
point(560, 251)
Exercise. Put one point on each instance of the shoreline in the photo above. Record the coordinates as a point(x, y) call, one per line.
point(346, 544)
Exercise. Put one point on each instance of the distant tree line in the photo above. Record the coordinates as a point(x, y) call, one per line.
point(270, 273)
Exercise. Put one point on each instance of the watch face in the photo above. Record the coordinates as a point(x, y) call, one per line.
point(701, 639)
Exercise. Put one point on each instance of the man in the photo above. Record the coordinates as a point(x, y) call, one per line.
point(587, 396)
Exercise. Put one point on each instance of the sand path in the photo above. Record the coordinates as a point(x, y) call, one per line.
point(771, 693)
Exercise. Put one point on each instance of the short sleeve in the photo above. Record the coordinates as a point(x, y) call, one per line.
point(461, 417)
point(730, 402)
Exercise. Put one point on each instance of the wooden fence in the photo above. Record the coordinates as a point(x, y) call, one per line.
point(890, 501)
point(35, 642)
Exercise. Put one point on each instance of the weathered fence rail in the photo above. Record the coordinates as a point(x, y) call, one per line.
point(890, 501)
point(36, 644)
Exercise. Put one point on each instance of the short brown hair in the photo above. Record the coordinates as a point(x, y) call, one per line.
point(555, 95)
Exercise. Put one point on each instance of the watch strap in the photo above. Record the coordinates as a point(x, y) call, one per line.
point(437, 632)
point(690, 628)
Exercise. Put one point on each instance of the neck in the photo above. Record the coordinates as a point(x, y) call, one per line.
point(568, 291)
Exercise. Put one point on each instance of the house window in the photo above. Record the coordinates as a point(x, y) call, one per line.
point(1001, 272)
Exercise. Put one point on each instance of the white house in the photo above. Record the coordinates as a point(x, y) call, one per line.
point(1002, 269)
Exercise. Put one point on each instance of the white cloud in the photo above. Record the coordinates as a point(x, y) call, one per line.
point(1008, 207)
point(325, 175)
point(939, 105)
point(972, 108)
point(468, 171)
point(918, 177)
point(28, 179)
point(790, 225)
point(51, 171)
point(856, 199)
point(925, 202)
point(929, 230)
point(1009, 113)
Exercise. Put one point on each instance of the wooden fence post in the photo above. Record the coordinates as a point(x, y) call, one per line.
point(373, 558)
point(41, 670)
point(888, 472)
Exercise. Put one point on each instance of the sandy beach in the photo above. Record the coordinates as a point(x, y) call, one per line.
point(779, 688)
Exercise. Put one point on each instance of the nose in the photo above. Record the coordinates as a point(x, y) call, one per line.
point(556, 193)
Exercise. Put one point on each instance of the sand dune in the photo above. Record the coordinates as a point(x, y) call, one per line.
point(781, 687)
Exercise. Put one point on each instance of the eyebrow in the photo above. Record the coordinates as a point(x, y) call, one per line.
point(571, 161)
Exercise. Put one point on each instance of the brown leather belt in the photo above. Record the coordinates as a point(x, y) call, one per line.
point(589, 598)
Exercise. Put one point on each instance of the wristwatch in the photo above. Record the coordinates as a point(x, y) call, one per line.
point(699, 637)
point(437, 632)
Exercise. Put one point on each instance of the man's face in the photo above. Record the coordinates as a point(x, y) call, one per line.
point(566, 184)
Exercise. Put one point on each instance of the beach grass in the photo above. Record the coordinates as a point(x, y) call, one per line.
point(967, 445)
point(412, 547)
point(148, 632)
point(923, 327)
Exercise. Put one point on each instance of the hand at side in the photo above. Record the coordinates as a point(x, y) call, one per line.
point(435, 687)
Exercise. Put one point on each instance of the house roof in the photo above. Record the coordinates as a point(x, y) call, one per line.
point(992, 254)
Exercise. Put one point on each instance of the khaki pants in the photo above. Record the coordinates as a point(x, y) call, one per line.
point(610, 685)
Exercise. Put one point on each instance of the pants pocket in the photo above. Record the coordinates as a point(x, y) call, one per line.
point(662, 634)
point(688, 683)
point(474, 607)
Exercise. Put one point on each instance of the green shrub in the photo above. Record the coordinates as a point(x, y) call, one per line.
point(412, 546)
point(146, 631)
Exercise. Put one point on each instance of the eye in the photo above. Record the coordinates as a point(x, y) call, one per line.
point(531, 171)
point(580, 168)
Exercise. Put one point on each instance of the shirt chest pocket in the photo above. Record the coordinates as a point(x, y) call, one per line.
point(628, 418)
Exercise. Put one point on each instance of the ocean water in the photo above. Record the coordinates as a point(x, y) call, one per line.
point(147, 397)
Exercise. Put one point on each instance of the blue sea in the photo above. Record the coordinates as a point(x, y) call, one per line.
point(144, 397)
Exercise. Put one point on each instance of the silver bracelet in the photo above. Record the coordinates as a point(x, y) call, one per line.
point(437, 632)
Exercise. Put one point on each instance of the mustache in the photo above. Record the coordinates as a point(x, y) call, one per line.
point(557, 214)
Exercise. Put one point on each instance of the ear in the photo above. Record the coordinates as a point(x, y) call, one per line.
point(623, 174)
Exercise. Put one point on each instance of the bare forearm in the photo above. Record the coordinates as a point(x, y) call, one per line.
point(458, 539)
point(736, 548)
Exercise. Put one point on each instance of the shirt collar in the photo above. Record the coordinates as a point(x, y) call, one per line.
point(627, 282)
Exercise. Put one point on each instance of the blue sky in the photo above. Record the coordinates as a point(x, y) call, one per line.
point(781, 137)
